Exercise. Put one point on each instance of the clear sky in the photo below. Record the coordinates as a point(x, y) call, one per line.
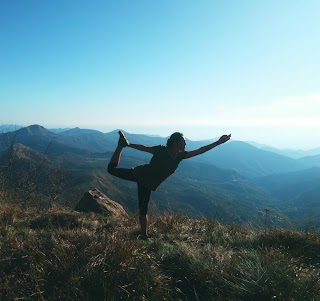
point(204, 67)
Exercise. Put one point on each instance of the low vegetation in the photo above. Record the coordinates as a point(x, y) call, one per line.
point(59, 254)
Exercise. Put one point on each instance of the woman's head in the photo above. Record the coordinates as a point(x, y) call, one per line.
point(176, 140)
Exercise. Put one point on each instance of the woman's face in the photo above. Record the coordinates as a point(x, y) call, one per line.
point(181, 144)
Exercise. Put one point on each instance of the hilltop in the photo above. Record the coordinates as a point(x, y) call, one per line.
point(59, 254)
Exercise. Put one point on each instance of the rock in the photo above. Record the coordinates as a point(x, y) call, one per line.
point(95, 201)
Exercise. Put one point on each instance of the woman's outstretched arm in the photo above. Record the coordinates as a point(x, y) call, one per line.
point(208, 147)
point(141, 147)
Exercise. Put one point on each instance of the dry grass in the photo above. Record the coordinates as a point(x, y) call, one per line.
point(65, 255)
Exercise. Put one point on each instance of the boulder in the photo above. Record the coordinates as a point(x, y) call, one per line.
point(95, 201)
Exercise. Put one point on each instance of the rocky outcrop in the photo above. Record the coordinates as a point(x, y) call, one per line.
point(95, 201)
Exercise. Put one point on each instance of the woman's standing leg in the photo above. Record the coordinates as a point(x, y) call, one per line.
point(144, 194)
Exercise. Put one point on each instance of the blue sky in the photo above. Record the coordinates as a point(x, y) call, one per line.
point(249, 68)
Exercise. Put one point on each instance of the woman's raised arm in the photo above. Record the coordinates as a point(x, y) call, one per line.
point(203, 149)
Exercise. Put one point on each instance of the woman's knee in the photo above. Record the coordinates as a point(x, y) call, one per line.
point(111, 168)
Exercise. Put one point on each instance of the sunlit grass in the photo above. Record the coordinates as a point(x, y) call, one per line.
point(65, 255)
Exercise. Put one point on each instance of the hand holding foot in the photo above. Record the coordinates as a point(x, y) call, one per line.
point(123, 141)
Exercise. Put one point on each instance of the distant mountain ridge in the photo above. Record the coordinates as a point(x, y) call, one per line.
point(295, 154)
point(298, 191)
point(250, 161)
point(310, 161)
point(232, 180)
point(239, 156)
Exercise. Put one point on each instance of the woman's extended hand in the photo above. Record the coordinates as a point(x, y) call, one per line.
point(224, 138)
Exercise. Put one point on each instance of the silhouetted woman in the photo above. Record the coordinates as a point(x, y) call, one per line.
point(163, 163)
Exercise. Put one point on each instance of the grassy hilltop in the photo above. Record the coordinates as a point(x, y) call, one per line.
point(59, 254)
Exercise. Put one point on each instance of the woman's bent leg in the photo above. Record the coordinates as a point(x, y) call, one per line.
point(115, 159)
point(122, 142)
point(122, 173)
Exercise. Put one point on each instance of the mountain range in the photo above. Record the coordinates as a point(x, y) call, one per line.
point(234, 182)
point(292, 153)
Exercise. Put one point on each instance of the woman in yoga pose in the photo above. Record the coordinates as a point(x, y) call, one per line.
point(163, 163)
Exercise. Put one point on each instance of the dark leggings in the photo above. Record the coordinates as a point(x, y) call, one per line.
point(143, 192)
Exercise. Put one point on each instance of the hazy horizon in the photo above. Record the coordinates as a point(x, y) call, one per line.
point(205, 68)
point(190, 133)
